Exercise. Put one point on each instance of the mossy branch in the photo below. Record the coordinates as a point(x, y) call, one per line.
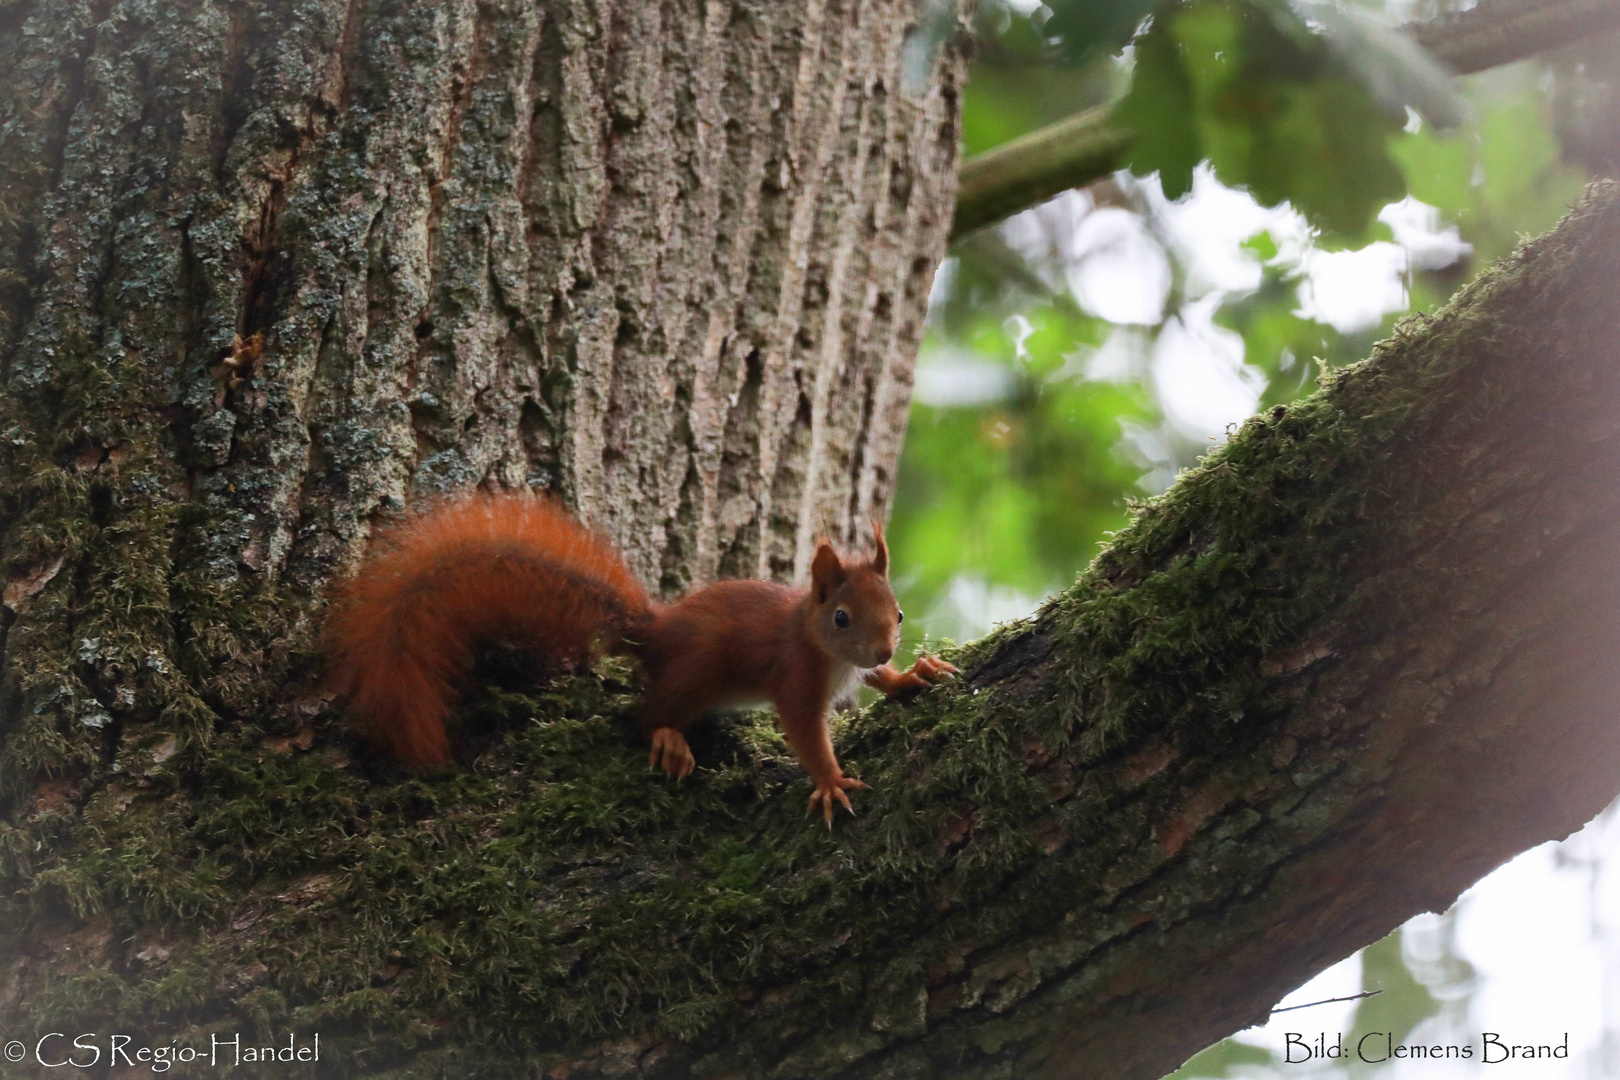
point(1358, 657)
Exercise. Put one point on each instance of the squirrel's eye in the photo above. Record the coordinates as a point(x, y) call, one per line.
point(899, 616)
point(841, 619)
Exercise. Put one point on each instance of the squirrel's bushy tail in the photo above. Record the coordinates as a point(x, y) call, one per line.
point(471, 571)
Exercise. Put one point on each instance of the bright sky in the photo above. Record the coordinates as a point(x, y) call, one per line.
point(1118, 271)
point(1543, 935)
point(1198, 367)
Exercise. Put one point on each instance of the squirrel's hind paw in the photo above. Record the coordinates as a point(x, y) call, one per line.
point(670, 751)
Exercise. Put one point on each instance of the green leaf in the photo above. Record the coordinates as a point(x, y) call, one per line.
point(1016, 492)
point(1085, 27)
point(1270, 109)
point(1396, 70)
point(1320, 145)
point(1158, 109)
point(1263, 244)
point(1502, 178)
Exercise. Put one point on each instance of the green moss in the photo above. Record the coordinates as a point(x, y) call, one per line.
point(553, 890)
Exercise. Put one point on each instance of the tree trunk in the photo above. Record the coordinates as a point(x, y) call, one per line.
point(275, 271)
point(267, 273)
point(271, 272)
point(1361, 655)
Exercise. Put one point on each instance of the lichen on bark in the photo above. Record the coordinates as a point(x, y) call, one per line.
point(1352, 661)
point(1320, 684)
point(268, 274)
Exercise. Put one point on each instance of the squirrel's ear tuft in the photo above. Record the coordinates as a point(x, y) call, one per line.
point(826, 572)
point(880, 557)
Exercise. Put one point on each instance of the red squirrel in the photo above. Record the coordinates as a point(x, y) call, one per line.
point(517, 568)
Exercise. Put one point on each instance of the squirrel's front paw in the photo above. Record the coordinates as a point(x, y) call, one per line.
point(830, 790)
point(927, 671)
point(669, 749)
point(932, 669)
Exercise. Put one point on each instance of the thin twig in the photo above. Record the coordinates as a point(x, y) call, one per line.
point(1327, 1001)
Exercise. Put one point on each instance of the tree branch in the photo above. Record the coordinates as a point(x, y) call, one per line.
point(1357, 658)
point(1084, 148)
point(1495, 32)
point(1032, 168)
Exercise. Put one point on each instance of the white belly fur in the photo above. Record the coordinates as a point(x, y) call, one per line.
point(843, 680)
point(843, 686)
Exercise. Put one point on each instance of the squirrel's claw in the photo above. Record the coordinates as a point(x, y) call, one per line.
point(931, 668)
point(827, 791)
point(923, 674)
point(926, 671)
point(671, 752)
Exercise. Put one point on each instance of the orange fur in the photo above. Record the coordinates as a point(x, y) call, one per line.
point(468, 573)
point(475, 570)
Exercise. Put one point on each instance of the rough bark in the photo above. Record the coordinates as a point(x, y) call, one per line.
point(668, 261)
point(269, 272)
point(1360, 656)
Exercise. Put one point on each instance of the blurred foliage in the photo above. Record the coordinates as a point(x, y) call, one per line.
point(1504, 177)
point(1037, 419)
point(984, 490)
point(1293, 103)
point(1228, 82)
point(1080, 29)
point(1290, 348)
point(1017, 85)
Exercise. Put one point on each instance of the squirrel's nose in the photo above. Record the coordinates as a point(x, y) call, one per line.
point(883, 653)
